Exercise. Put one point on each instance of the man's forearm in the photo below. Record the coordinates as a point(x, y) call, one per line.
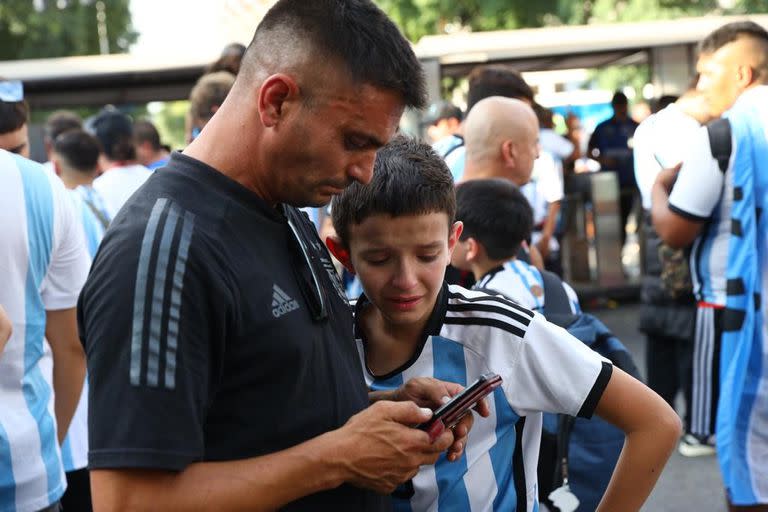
point(68, 365)
point(260, 483)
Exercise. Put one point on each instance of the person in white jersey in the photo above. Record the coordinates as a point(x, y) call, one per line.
point(397, 234)
point(718, 203)
point(121, 174)
point(75, 155)
point(44, 266)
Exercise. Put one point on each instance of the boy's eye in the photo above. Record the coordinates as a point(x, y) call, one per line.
point(378, 260)
point(428, 257)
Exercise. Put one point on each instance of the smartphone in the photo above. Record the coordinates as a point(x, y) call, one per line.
point(449, 414)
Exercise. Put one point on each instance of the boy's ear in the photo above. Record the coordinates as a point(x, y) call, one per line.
point(473, 249)
point(454, 235)
point(340, 252)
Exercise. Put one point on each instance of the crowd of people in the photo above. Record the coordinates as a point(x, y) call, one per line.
point(258, 321)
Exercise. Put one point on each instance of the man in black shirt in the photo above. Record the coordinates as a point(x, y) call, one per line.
point(223, 371)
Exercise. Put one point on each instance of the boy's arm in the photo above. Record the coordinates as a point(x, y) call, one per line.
point(68, 365)
point(373, 450)
point(6, 329)
point(652, 429)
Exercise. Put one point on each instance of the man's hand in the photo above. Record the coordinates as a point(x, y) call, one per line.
point(666, 177)
point(432, 393)
point(381, 449)
point(6, 329)
point(543, 246)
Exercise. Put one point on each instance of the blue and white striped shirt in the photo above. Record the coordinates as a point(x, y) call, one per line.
point(43, 268)
point(544, 370)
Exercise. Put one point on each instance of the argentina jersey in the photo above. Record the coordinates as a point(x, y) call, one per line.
point(44, 267)
point(522, 282)
point(702, 193)
point(454, 152)
point(471, 333)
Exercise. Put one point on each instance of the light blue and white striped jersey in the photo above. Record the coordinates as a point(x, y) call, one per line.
point(702, 193)
point(742, 415)
point(74, 449)
point(543, 368)
point(43, 268)
point(522, 282)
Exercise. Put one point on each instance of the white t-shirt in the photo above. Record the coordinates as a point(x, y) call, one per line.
point(665, 135)
point(701, 194)
point(555, 144)
point(545, 187)
point(118, 184)
point(43, 265)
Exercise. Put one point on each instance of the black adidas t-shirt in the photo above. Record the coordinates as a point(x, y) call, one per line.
point(200, 322)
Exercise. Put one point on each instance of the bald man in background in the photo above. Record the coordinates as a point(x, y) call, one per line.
point(502, 141)
point(502, 138)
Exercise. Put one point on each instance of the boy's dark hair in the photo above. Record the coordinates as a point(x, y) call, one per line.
point(79, 150)
point(497, 80)
point(114, 131)
point(355, 32)
point(61, 121)
point(496, 214)
point(145, 131)
point(409, 178)
point(13, 115)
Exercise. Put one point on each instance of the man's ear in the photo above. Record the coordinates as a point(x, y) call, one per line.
point(509, 153)
point(273, 93)
point(744, 76)
point(340, 252)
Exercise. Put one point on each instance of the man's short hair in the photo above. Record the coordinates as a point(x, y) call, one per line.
point(145, 131)
point(409, 178)
point(619, 99)
point(79, 150)
point(496, 214)
point(114, 131)
point(729, 33)
point(497, 80)
point(59, 122)
point(13, 115)
point(208, 94)
point(354, 33)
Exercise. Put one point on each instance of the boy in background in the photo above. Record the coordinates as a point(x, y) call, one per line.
point(397, 233)
point(497, 219)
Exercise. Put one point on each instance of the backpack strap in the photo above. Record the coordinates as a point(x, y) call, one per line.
point(454, 148)
point(557, 305)
point(719, 132)
point(97, 213)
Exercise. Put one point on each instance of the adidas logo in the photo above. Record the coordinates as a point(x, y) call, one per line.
point(282, 303)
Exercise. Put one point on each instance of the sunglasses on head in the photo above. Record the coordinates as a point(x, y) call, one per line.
point(11, 91)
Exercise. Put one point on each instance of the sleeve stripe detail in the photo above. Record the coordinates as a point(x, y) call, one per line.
point(178, 287)
point(492, 298)
point(139, 294)
point(684, 214)
point(589, 405)
point(169, 259)
point(490, 308)
point(489, 322)
point(158, 295)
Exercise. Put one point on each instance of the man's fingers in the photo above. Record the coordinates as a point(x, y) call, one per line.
point(407, 413)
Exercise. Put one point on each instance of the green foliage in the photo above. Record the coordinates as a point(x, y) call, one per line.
point(62, 28)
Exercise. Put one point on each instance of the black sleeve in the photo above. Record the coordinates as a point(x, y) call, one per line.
point(153, 319)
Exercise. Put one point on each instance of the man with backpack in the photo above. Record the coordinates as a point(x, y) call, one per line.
point(719, 194)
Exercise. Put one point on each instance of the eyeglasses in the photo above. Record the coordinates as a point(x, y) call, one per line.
point(316, 300)
point(11, 91)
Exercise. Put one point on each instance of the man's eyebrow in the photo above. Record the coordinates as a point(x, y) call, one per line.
point(18, 148)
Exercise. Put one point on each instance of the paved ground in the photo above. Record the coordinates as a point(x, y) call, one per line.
point(687, 484)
